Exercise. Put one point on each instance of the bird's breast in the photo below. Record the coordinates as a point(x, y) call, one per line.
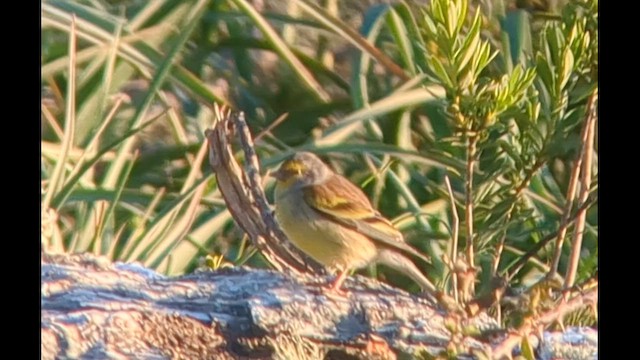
point(318, 236)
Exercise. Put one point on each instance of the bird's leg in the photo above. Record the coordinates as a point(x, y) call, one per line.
point(334, 287)
point(337, 283)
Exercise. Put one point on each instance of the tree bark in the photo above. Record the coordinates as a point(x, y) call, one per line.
point(93, 309)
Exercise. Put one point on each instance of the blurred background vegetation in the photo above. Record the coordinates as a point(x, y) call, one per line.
point(494, 95)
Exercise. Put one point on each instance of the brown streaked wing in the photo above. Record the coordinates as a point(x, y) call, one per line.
point(340, 198)
point(343, 202)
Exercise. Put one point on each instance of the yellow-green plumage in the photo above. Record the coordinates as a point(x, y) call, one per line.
point(319, 237)
point(331, 220)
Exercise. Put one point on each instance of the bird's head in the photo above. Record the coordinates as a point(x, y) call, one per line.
point(303, 168)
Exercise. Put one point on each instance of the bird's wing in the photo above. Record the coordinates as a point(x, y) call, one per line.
point(341, 201)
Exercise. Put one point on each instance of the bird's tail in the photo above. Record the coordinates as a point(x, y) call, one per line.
point(401, 263)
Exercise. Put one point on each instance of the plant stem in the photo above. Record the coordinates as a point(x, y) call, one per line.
point(579, 300)
point(585, 185)
point(571, 194)
point(471, 156)
point(523, 185)
point(517, 266)
point(454, 235)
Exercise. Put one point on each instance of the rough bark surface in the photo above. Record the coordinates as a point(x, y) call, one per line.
point(93, 309)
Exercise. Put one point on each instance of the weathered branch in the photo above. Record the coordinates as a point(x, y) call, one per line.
point(244, 196)
point(94, 309)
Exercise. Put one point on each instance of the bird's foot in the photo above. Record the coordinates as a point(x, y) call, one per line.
point(332, 289)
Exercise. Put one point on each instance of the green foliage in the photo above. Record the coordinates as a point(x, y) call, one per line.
point(493, 97)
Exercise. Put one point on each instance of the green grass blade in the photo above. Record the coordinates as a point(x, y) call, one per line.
point(178, 233)
point(142, 56)
point(345, 31)
point(71, 182)
point(57, 178)
point(182, 226)
point(148, 240)
point(283, 50)
point(142, 223)
point(161, 74)
point(100, 246)
point(405, 13)
point(372, 23)
point(396, 101)
point(402, 39)
point(516, 24)
point(429, 158)
point(314, 65)
point(185, 251)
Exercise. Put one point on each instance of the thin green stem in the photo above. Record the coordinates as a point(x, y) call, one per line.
point(471, 157)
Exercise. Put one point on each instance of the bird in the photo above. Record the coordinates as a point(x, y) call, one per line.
point(330, 219)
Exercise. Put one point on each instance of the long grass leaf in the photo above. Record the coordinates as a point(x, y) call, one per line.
point(185, 251)
point(109, 67)
point(372, 23)
point(402, 40)
point(151, 208)
point(396, 101)
point(100, 246)
point(93, 143)
point(516, 24)
point(179, 231)
point(63, 194)
point(283, 50)
point(314, 65)
point(57, 177)
point(181, 227)
point(139, 54)
point(155, 232)
point(150, 9)
point(352, 36)
point(405, 13)
point(195, 171)
point(190, 24)
point(430, 158)
point(99, 17)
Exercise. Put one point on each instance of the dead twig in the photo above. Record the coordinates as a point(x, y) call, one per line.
point(573, 186)
point(563, 226)
point(585, 186)
point(505, 348)
point(244, 195)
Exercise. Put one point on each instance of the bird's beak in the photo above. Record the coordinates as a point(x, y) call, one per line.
point(278, 174)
